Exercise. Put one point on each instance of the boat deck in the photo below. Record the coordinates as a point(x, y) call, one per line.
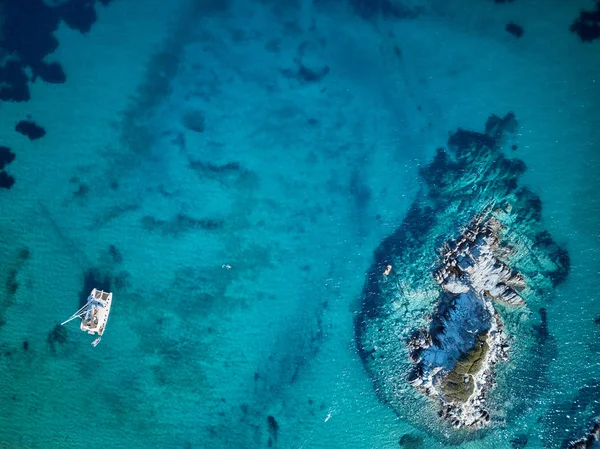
point(96, 316)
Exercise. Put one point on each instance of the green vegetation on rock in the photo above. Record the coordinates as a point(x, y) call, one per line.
point(458, 385)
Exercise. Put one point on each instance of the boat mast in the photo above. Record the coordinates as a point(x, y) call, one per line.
point(77, 314)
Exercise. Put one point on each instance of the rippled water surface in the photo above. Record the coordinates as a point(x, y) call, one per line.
point(227, 169)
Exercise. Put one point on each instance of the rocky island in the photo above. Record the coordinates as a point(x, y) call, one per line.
point(450, 296)
point(454, 358)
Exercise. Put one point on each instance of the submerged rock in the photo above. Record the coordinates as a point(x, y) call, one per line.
point(519, 441)
point(591, 440)
point(30, 129)
point(448, 297)
point(409, 441)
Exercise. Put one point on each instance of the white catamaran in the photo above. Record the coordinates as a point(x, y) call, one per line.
point(94, 314)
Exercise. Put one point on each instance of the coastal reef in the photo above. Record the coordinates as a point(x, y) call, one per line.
point(449, 297)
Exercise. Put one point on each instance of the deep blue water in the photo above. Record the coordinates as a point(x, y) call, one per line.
point(227, 169)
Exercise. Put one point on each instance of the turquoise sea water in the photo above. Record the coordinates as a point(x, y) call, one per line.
point(226, 169)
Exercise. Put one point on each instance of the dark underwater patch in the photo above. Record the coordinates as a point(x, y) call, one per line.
point(514, 29)
point(12, 279)
point(229, 167)
point(30, 129)
point(182, 223)
point(11, 282)
point(52, 73)
point(563, 423)
point(115, 254)
point(93, 278)
point(391, 9)
point(14, 85)
point(587, 25)
point(306, 74)
point(519, 441)
point(6, 157)
point(410, 441)
point(78, 14)
point(6, 180)
point(28, 36)
point(57, 337)
point(194, 121)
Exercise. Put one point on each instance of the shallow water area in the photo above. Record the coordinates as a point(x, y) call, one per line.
point(227, 169)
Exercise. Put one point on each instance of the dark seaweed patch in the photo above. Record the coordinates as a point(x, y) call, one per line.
point(587, 25)
point(440, 174)
point(82, 191)
point(57, 336)
point(589, 441)
point(558, 254)
point(519, 441)
point(514, 29)
point(24, 255)
point(121, 280)
point(13, 82)
point(369, 9)
point(11, 282)
point(273, 427)
point(416, 223)
point(272, 423)
point(229, 173)
point(532, 203)
point(410, 441)
point(6, 157)
point(115, 254)
point(541, 329)
point(6, 180)
point(562, 421)
point(194, 121)
point(561, 256)
point(93, 278)
point(463, 140)
point(78, 14)
point(28, 36)
point(496, 127)
point(30, 129)
point(52, 73)
point(181, 223)
point(312, 75)
point(216, 168)
point(359, 190)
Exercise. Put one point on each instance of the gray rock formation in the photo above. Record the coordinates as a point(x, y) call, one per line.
point(454, 359)
point(473, 263)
